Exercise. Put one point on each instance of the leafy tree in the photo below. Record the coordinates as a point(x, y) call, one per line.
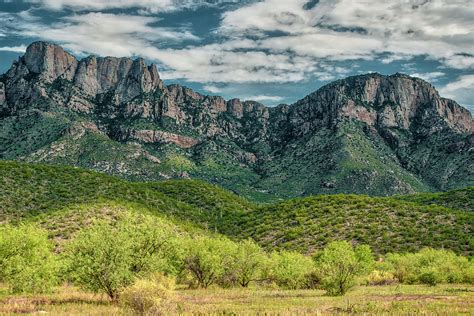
point(290, 269)
point(156, 245)
point(208, 259)
point(108, 257)
point(27, 263)
point(339, 264)
point(247, 262)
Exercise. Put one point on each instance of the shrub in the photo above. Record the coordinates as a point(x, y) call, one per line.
point(339, 264)
point(429, 266)
point(208, 259)
point(290, 270)
point(430, 276)
point(149, 296)
point(247, 263)
point(379, 277)
point(27, 263)
point(468, 273)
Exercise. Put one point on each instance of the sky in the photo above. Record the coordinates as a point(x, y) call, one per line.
point(271, 51)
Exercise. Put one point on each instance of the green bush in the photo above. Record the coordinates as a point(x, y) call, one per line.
point(339, 264)
point(27, 263)
point(290, 270)
point(208, 259)
point(380, 277)
point(149, 296)
point(248, 260)
point(429, 266)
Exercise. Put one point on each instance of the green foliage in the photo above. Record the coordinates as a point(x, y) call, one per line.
point(462, 199)
point(380, 277)
point(248, 261)
point(290, 270)
point(108, 257)
point(339, 264)
point(27, 263)
point(150, 295)
point(429, 266)
point(208, 259)
point(385, 224)
point(45, 194)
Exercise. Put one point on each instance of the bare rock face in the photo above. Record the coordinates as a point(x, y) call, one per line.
point(2, 94)
point(235, 107)
point(386, 101)
point(50, 61)
point(152, 136)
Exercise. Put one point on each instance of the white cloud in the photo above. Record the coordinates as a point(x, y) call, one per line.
point(151, 6)
point(103, 33)
point(461, 90)
point(460, 61)
point(258, 98)
point(16, 49)
point(347, 29)
point(429, 76)
point(212, 89)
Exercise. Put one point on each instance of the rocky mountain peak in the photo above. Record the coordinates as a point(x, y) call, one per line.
point(50, 61)
point(86, 81)
point(395, 101)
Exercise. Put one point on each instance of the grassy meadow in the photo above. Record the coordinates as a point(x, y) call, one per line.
point(449, 299)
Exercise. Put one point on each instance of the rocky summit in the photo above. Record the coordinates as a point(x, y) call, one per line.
point(372, 134)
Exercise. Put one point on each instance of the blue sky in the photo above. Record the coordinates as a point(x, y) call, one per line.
point(272, 51)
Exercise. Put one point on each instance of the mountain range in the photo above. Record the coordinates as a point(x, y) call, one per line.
point(369, 134)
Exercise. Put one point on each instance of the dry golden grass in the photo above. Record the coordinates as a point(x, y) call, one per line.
point(371, 300)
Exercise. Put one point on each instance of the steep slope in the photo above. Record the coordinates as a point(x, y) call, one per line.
point(65, 199)
point(371, 134)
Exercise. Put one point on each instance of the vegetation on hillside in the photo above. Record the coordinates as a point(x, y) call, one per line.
point(50, 195)
point(462, 199)
point(386, 224)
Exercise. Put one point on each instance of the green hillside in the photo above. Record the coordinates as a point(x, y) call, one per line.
point(63, 199)
point(462, 199)
point(307, 224)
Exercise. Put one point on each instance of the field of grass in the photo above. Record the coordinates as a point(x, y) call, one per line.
point(395, 299)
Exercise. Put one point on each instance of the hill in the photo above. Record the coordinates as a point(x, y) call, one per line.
point(368, 134)
point(462, 199)
point(386, 224)
point(64, 199)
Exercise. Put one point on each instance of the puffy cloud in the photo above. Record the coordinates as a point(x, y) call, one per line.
point(217, 63)
point(429, 76)
point(462, 90)
point(212, 89)
point(102, 33)
point(347, 29)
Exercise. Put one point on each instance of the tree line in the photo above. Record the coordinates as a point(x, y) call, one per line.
point(111, 257)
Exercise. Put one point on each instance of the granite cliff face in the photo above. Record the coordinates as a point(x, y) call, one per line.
point(370, 134)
